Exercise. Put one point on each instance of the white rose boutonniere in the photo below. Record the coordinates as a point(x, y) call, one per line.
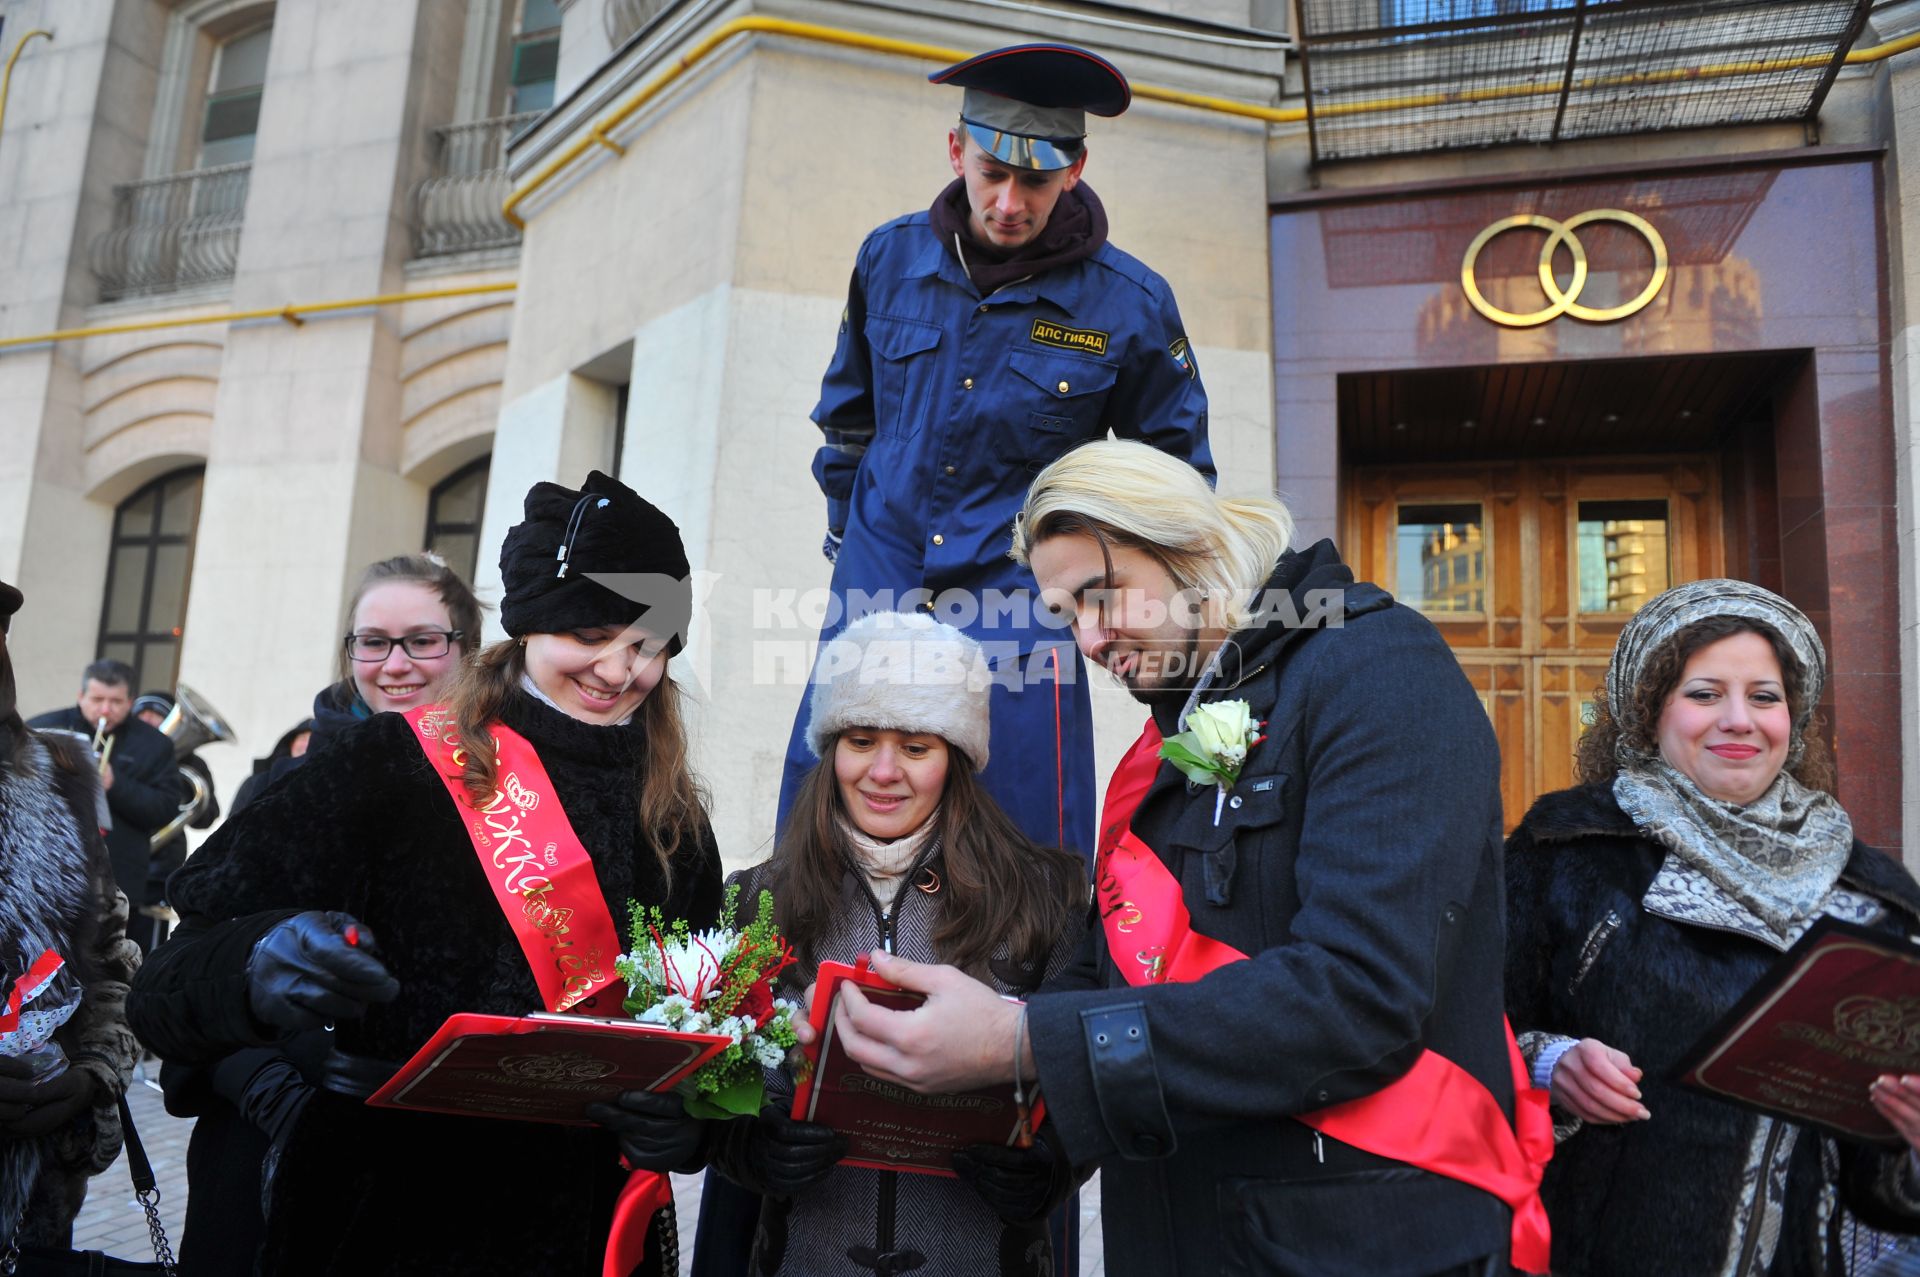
point(1214, 746)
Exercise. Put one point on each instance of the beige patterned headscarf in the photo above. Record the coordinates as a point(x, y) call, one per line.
point(1779, 855)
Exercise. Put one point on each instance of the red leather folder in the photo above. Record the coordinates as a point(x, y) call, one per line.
point(887, 1126)
point(541, 1067)
point(1837, 1010)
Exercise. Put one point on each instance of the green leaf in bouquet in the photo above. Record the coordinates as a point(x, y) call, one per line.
point(741, 1097)
point(1179, 751)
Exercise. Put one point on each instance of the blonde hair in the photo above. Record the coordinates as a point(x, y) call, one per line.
point(1132, 494)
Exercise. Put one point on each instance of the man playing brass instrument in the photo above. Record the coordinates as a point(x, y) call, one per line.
point(198, 810)
point(143, 784)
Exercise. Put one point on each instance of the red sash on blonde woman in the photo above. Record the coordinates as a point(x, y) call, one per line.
point(543, 880)
point(1437, 1116)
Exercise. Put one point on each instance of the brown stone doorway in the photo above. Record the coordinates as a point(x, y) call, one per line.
point(1529, 569)
point(1528, 510)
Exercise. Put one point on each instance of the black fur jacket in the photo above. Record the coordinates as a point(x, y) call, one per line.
point(368, 828)
point(1677, 1194)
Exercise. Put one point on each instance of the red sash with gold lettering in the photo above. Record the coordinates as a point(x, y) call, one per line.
point(1437, 1116)
point(541, 875)
point(543, 880)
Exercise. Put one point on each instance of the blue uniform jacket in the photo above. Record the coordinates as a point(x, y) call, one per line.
point(941, 406)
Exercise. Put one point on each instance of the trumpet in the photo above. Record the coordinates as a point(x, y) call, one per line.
point(105, 751)
point(190, 724)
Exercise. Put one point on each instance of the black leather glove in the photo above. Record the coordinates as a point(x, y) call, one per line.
point(35, 1104)
point(266, 1087)
point(776, 1156)
point(1022, 1185)
point(303, 974)
point(654, 1131)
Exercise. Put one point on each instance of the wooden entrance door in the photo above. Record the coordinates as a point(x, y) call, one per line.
point(1529, 569)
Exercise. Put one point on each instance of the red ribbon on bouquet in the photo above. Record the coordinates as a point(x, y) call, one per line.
point(28, 986)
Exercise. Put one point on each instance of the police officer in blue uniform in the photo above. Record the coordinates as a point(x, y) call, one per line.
point(984, 337)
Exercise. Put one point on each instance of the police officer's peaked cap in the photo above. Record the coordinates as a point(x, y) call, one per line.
point(601, 556)
point(1027, 105)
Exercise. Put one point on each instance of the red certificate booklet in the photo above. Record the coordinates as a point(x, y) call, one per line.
point(541, 1067)
point(887, 1126)
point(1835, 1012)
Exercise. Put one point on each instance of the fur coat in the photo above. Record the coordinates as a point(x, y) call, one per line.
point(57, 892)
point(367, 827)
point(1677, 1194)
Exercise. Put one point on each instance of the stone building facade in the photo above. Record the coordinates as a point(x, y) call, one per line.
point(689, 181)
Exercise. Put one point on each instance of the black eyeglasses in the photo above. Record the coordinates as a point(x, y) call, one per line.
point(423, 646)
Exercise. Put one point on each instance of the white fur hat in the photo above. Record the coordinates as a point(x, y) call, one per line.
point(904, 672)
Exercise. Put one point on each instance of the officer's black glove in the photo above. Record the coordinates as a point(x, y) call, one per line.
point(1022, 1185)
point(303, 974)
point(774, 1155)
point(654, 1131)
point(831, 546)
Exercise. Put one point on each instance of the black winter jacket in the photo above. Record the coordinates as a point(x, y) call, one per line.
point(1358, 863)
point(228, 1097)
point(146, 794)
point(1584, 959)
point(336, 707)
point(368, 828)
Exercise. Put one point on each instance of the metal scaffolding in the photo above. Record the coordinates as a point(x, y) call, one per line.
point(1393, 77)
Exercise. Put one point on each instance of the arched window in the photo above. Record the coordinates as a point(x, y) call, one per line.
point(453, 516)
point(148, 571)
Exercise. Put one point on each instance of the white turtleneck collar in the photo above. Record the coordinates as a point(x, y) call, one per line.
point(885, 862)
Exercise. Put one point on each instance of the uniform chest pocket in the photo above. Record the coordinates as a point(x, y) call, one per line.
point(1067, 397)
point(905, 364)
point(1248, 815)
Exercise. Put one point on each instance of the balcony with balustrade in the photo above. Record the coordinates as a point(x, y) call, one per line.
point(172, 233)
point(457, 208)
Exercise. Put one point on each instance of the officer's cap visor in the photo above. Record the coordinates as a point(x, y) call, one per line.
point(1015, 151)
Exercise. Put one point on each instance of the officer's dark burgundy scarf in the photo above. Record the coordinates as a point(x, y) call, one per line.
point(1075, 232)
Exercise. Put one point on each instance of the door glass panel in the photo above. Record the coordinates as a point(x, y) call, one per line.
point(1622, 554)
point(1440, 558)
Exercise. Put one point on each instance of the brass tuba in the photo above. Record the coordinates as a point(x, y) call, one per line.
point(190, 724)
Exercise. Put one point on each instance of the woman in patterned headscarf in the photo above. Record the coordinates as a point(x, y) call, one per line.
point(1641, 904)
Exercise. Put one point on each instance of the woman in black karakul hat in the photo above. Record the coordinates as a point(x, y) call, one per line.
point(281, 909)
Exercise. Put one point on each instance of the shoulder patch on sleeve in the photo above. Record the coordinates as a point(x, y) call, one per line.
point(1183, 357)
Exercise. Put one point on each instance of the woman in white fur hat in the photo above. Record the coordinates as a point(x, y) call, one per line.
point(893, 844)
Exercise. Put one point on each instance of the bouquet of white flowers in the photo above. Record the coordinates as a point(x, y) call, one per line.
point(719, 981)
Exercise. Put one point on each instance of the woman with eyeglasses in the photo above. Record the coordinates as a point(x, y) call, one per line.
point(409, 623)
point(376, 891)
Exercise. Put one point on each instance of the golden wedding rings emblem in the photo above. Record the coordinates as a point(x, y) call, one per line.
point(1561, 301)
